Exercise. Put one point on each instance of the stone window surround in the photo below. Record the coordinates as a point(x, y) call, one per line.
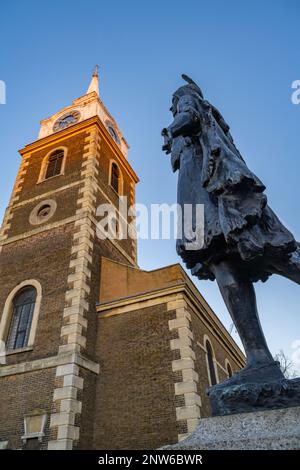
point(18, 350)
point(218, 365)
point(43, 169)
point(8, 311)
point(34, 217)
point(206, 338)
point(227, 363)
point(121, 181)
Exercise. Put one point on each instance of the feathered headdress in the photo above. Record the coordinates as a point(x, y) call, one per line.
point(191, 82)
point(191, 87)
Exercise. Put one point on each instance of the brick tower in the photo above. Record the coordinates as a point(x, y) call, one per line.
point(51, 257)
point(98, 354)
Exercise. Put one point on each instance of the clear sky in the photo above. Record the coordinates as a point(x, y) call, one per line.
point(244, 55)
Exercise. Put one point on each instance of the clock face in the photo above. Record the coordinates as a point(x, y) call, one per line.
point(66, 120)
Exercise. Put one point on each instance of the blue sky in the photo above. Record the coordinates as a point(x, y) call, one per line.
point(244, 55)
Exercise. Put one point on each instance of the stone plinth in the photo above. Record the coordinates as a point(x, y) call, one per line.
point(254, 396)
point(263, 430)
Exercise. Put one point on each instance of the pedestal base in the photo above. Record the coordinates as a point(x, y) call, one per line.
point(247, 397)
point(259, 430)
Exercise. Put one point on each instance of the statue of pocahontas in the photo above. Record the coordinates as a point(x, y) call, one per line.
point(243, 239)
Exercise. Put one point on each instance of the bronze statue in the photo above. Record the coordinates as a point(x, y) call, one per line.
point(244, 241)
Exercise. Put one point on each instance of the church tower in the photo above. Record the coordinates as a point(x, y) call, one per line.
point(50, 266)
point(95, 353)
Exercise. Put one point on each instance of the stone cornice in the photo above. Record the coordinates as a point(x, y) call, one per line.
point(49, 362)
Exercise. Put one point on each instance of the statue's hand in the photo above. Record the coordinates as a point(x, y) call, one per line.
point(167, 141)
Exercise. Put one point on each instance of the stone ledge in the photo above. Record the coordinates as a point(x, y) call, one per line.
point(262, 430)
point(49, 362)
point(62, 444)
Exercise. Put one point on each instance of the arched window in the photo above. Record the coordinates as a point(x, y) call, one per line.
point(211, 365)
point(229, 370)
point(115, 177)
point(54, 164)
point(23, 307)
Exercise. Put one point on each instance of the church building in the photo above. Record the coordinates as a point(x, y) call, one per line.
point(96, 353)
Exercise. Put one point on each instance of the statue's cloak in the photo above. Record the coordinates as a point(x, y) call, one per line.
point(238, 223)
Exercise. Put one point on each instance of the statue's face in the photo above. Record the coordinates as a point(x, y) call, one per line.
point(173, 108)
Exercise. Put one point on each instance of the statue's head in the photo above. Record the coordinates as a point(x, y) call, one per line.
point(191, 89)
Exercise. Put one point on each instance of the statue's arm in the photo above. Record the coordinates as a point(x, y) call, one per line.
point(187, 119)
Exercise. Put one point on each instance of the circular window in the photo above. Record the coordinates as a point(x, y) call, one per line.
point(43, 212)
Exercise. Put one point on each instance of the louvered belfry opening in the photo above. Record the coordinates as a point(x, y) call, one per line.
point(115, 177)
point(55, 164)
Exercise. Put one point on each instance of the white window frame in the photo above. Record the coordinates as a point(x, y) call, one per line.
point(121, 181)
point(44, 165)
point(205, 339)
point(27, 435)
point(8, 312)
point(226, 364)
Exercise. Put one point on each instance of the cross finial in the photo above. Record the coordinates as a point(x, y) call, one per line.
point(94, 85)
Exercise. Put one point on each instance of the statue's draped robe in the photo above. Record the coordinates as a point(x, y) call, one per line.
point(238, 223)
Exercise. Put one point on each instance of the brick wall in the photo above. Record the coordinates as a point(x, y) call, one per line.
point(106, 193)
point(87, 418)
point(44, 257)
point(134, 407)
point(200, 329)
point(21, 394)
point(66, 206)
